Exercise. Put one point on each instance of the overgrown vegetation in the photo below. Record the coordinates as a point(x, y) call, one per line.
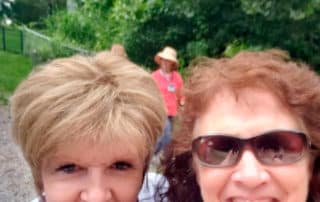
point(193, 27)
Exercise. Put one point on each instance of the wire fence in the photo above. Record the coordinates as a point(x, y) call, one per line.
point(34, 44)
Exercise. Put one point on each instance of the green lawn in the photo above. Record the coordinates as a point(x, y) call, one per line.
point(13, 68)
point(13, 42)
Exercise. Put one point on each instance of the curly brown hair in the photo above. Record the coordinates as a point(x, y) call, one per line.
point(296, 85)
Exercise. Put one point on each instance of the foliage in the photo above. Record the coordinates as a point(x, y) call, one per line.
point(16, 68)
point(32, 11)
point(274, 9)
point(161, 26)
point(237, 46)
point(79, 26)
point(193, 27)
point(45, 53)
point(74, 27)
point(41, 49)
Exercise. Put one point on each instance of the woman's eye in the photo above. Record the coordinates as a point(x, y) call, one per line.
point(121, 165)
point(68, 168)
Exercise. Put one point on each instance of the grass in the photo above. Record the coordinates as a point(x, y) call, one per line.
point(13, 68)
point(13, 41)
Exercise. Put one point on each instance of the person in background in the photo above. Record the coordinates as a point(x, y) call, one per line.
point(170, 84)
point(119, 50)
point(250, 131)
point(87, 127)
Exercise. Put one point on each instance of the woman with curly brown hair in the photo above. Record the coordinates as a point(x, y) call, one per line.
point(250, 131)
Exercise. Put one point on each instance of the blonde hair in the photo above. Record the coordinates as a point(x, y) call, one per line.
point(119, 50)
point(100, 99)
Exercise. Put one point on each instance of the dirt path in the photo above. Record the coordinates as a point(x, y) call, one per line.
point(15, 177)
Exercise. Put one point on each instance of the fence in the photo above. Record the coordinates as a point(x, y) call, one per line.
point(34, 44)
point(11, 40)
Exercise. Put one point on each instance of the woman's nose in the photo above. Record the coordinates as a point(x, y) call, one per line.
point(250, 173)
point(96, 188)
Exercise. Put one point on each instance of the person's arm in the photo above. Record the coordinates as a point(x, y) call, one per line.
point(180, 97)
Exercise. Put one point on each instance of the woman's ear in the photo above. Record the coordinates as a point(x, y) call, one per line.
point(39, 186)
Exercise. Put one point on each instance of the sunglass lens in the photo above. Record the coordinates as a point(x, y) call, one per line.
point(278, 148)
point(216, 150)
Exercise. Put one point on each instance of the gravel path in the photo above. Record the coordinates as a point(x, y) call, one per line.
point(15, 177)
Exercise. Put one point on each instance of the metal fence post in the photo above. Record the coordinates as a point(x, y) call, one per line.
point(3, 38)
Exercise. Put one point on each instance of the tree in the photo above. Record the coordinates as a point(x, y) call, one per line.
point(194, 27)
point(212, 25)
point(283, 9)
point(5, 11)
point(32, 11)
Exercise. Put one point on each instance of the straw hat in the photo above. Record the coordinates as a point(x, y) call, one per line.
point(167, 53)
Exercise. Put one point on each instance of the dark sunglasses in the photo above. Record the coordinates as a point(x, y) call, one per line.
point(271, 148)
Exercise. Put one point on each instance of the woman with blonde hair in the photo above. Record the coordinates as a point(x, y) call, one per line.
point(87, 127)
point(250, 131)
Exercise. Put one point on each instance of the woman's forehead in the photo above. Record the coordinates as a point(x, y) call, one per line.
point(252, 110)
point(99, 140)
point(113, 148)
